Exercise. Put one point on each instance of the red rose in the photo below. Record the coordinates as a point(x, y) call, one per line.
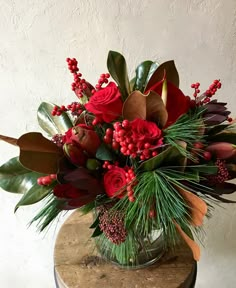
point(85, 137)
point(115, 182)
point(177, 103)
point(106, 104)
point(143, 131)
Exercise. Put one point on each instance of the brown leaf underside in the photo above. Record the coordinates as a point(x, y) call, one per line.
point(192, 244)
point(148, 107)
point(10, 140)
point(197, 206)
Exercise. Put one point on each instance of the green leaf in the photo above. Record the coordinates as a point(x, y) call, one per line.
point(96, 232)
point(144, 71)
point(14, 177)
point(95, 223)
point(167, 69)
point(34, 195)
point(116, 65)
point(103, 153)
point(52, 124)
point(169, 156)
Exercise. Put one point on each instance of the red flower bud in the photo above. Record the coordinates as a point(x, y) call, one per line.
point(75, 154)
point(222, 150)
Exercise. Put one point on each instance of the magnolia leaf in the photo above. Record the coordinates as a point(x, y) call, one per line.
point(224, 188)
point(104, 153)
point(143, 73)
point(34, 195)
point(116, 65)
point(96, 232)
point(224, 137)
point(197, 206)
point(148, 107)
point(169, 156)
point(52, 124)
point(14, 177)
point(95, 223)
point(191, 243)
point(217, 129)
point(38, 153)
point(167, 68)
point(9, 140)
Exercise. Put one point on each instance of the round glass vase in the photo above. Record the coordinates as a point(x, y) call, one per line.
point(137, 251)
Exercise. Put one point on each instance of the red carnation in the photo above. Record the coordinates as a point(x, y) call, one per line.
point(106, 104)
point(115, 182)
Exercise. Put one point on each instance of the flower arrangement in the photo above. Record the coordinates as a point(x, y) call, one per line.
point(140, 152)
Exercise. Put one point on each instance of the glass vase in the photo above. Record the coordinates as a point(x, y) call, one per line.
point(137, 251)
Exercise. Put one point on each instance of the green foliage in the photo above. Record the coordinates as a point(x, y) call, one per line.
point(188, 129)
point(52, 124)
point(34, 195)
point(14, 177)
point(124, 253)
point(167, 157)
point(104, 153)
point(144, 71)
point(49, 212)
point(116, 65)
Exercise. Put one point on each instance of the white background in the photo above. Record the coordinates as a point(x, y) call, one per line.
point(35, 39)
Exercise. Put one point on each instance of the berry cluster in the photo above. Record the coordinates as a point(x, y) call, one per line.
point(216, 84)
point(79, 85)
point(102, 80)
point(121, 138)
point(46, 180)
point(58, 140)
point(112, 225)
point(222, 173)
point(195, 86)
point(57, 111)
point(75, 108)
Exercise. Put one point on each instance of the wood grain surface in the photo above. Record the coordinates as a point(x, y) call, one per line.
point(77, 264)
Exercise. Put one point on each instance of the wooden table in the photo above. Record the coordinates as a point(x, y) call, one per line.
point(77, 265)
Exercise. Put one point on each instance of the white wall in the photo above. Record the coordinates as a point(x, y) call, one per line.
point(35, 39)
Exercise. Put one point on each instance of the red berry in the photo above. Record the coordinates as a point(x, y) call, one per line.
point(125, 123)
point(198, 145)
point(147, 145)
point(152, 214)
point(109, 132)
point(131, 198)
point(154, 153)
point(207, 155)
point(123, 149)
point(115, 145)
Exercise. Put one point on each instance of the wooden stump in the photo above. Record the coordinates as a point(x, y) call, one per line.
point(77, 265)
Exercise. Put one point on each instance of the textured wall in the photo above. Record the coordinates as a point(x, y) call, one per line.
point(35, 39)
